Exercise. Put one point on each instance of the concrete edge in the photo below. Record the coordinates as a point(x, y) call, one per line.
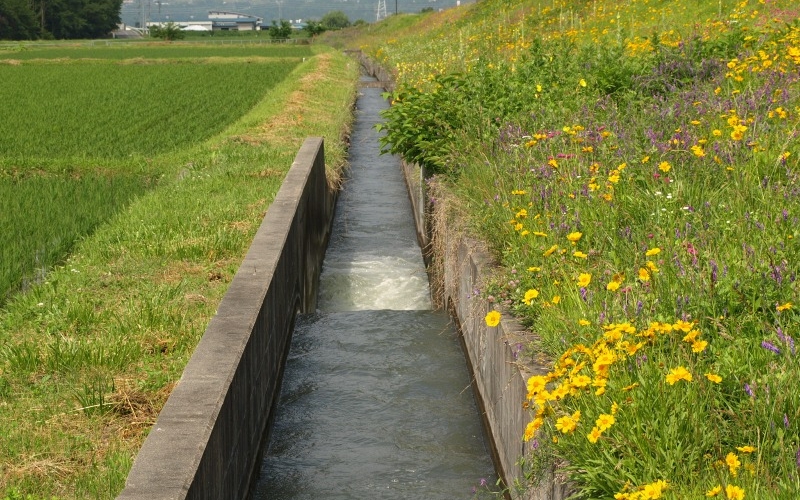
point(206, 441)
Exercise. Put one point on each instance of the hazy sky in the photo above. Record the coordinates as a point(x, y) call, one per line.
point(187, 10)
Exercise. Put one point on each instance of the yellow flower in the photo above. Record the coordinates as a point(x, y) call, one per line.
point(534, 269)
point(594, 435)
point(645, 159)
point(732, 460)
point(691, 336)
point(652, 251)
point(784, 307)
point(492, 318)
point(678, 374)
point(584, 279)
point(568, 423)
point(733, 463)
point(664, 166)
point(582, 83)
point(530, 295)
point(536, 384)
point(532, 427)
point(574, 236)
point(716, 490)
point(699, 346)
point(716, 379)
point(651, 265)
point(581, 381)
point(579, 254)
point(539, 233)
point(556, 299)
point(518, 192)
point(550, 250)
point(583, 322)
point(604, 421)
point(613, 286)
point(552, 162)
point(738, 132)
point(644, 274)
point(746, 449)
point(653, 490)
point(734, 492)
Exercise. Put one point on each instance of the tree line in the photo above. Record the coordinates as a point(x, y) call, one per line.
point(59, 19)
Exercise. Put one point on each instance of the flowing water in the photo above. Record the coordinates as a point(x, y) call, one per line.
point(376, 400)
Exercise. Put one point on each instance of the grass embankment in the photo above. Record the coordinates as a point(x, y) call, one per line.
point(89, 355)
point(634, 168)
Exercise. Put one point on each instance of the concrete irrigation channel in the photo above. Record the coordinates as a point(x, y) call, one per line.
point(229, 430)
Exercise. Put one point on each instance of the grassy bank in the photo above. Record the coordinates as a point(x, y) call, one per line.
point(89, 355)
point(634, 169)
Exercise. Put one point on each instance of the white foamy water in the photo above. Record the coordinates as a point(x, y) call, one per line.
point(374, 282)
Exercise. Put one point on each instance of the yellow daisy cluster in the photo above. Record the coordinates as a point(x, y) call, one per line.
point(585, 369)
point(648, 491)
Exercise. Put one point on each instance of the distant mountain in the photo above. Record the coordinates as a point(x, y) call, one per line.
point(134, 11)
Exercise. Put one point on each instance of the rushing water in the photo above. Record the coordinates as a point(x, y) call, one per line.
point(376, 400)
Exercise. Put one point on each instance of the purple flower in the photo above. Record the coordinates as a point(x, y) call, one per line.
point(770, 347)
point(749, 390)
point(785, 421)
point(786, 339)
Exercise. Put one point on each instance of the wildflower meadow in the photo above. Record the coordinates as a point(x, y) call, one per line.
point(634, 169)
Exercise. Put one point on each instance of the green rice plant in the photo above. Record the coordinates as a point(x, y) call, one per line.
point(144, 52)
point(42, 216)
point(79, 113)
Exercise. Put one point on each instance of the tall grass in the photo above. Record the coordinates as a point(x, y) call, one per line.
point(634, 168)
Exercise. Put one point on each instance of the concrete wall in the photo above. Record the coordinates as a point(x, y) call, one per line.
point(495, 358)
point(460, 266)
point(205, 443)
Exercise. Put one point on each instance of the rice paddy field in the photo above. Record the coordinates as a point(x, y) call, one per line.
point(633, 167)
point(132, 178)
